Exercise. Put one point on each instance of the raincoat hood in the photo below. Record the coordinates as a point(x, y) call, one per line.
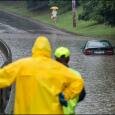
point(41, 47)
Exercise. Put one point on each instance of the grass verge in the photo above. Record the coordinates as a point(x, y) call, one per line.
point(85, 28)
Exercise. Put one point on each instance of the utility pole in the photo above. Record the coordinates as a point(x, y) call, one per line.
point(74, 12)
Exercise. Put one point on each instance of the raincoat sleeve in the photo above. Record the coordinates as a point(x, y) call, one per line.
point(8, 75)
point(74, 85)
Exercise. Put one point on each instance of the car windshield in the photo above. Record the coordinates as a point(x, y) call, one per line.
point(97, 44)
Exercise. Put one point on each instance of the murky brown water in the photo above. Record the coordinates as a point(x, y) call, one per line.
point(97, 71)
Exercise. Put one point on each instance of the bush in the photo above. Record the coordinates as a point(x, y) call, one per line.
point(103, 11)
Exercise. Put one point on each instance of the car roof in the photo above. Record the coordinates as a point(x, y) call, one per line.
point(96, 43)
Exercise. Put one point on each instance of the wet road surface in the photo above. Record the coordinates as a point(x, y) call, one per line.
point(97, 71)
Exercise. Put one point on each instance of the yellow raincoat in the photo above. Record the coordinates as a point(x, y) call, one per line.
point(39, 80)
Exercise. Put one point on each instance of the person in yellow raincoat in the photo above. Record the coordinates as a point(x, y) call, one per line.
point(62, 55)
point(39, 81)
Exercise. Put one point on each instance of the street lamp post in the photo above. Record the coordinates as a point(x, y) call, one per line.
point(74, 12)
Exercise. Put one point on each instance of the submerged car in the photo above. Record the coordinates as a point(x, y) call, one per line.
point(98, 47)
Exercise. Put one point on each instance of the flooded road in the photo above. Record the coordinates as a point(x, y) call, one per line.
point(97, 71)
point(99, 75)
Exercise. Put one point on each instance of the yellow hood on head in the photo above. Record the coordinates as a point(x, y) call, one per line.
point(41, 47)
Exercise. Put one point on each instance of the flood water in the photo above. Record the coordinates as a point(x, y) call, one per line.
point(98, 72)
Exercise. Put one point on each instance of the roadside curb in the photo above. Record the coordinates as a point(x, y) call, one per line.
point(38, 21)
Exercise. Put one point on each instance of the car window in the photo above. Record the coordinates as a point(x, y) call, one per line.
point(95, 44)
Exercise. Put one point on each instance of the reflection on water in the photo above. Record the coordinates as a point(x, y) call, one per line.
point(2, 58)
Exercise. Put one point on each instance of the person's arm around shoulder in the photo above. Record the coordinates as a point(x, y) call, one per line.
point(83, 92)
point(75, 85)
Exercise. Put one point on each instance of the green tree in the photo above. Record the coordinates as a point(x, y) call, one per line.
point(37, 4)
point(64, 5)
point(103, 11)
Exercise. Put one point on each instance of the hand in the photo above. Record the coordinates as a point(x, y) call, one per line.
point(62, 100)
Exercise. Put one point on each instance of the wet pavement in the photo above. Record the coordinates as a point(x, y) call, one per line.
point(97, 71)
